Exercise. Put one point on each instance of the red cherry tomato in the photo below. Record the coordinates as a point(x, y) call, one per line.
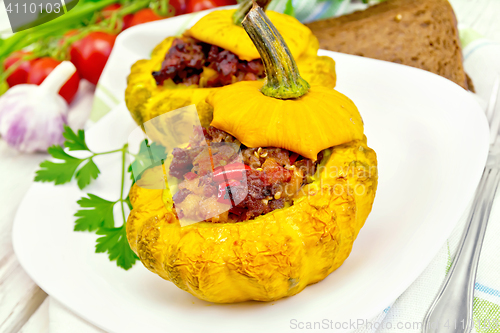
point(197, 5)
point(179, 6)
point(20, 74)
point(42, 68)
point(143, 16)
point(90, 54)
point(108, 11)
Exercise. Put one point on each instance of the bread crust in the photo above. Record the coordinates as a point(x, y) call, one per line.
point(421, 34)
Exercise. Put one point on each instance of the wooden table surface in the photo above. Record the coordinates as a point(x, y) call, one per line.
point(21, 308)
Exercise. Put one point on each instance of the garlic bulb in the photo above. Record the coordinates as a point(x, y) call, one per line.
point(32, 117)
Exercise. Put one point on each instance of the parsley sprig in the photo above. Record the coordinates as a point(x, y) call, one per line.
point(95, 213)
point(147, 157)
point(63, 172)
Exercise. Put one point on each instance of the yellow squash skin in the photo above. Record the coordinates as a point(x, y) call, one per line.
point(217, 28)
point(274, 256)
point(301, 125)
point(145, 100)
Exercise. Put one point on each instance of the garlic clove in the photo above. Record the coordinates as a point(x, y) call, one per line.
point(32, 117)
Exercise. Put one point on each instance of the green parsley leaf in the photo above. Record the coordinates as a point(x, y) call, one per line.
point(127, 201)
point(86, 173)
point(289, 9)
point(149, 155)
point(74, 141)
point(101, 214)
point(115, 243)
point(59, 173)
point(131, 173)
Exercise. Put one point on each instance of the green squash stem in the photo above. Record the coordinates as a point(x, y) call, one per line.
point(245, 7)
point(283, 79)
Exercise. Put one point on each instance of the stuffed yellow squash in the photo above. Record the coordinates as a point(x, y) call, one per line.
point(215, 52)
point(287, 214)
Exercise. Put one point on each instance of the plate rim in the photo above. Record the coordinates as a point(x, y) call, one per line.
point(402, 287)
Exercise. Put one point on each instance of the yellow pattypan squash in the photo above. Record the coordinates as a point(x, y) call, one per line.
point(303, 125)
point(277, 254)
point(146, 100)
point(268, 258)
point(285, 112)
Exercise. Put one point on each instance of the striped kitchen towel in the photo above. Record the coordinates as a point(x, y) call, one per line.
point(482, 64)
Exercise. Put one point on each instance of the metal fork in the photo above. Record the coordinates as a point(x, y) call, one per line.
point(452, 309)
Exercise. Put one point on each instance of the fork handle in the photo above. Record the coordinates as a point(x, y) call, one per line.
point(452, 308)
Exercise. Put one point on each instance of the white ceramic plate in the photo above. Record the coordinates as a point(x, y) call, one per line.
point(431, 139)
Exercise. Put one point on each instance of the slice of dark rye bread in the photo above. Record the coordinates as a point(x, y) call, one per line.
point(418, 33)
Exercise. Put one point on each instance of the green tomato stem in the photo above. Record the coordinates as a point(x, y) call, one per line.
point(6, 73)
point(161, 7)
point(26, 37)
point(283, 78)
point(133, 7)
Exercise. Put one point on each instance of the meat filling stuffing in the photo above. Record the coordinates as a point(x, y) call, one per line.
point(190, 61)
point(214, 175)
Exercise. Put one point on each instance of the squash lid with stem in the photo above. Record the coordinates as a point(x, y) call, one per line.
point(219, 28)
point(284, 111)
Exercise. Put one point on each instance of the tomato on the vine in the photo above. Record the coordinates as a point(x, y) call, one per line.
point(197, 5)
point(90, 54)
point(20, 74)
point(179, 6)
point(143, 16)
point(66, 36)
point(41, 69)
point(108, 11)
